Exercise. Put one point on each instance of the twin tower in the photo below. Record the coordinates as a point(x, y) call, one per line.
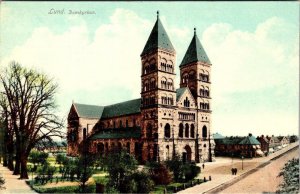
point(179, 118)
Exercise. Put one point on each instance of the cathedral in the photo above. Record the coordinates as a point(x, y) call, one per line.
point(164, 121)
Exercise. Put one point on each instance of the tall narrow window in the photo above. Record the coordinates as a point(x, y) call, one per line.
point(204, 132)
point(180, 134)
point(186, 130)
point(192, 130)
point(167, 130)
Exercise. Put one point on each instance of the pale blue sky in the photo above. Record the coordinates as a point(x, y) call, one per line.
point(253, 47)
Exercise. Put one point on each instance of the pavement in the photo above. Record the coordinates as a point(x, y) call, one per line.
point(13, 184)
point(222, 179)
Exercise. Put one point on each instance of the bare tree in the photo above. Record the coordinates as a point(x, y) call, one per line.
point(31, 101)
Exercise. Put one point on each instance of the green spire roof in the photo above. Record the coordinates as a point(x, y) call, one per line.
point(250, 140)
point(195, 52)
point(158, 38)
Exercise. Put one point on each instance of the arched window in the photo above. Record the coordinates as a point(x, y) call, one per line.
point(204, 132)
point(180, 134)
point(149, 131)
point(120, 125)
point(192, 130)
point(186, 130)
point(167, 130)
point(126, 123)
point(163, 83)
point(84, 133)
point(186, 102)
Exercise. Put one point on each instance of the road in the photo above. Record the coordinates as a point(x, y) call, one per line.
point(263, 180)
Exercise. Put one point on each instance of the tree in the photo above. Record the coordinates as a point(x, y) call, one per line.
point(159, 173)
point(120, 164)
point(37, 157)
point(182, 171)
point(290, 173)
point(30, 107)
point(85, 170)
point(8, 142)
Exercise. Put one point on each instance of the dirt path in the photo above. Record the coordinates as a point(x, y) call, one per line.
point(13, 184)
point(265, 179)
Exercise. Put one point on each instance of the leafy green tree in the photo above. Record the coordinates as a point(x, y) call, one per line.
point(175, 165)
point(85, 168)
point(37, 157)
point(144, 183)
point(182, 171)
point(159, 173)
point(290, 173)
point(120, 165)
point(45, 172)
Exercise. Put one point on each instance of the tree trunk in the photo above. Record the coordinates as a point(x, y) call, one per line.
point(17, 165)
point(10, 163)
point(5, 158)
point(18, 154)
point(24, 173)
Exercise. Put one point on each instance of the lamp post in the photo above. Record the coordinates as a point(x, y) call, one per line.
point(242, 162)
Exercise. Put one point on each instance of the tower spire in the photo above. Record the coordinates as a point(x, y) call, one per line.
point(158, 38)
point(195, 52)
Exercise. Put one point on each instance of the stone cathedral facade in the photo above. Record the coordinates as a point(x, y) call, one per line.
point(165, 120)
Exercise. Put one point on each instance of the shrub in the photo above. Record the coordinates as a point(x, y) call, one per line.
point(290, 173)
point(159, 173)
point(182, 171)
point(144, 183)
point(2, 182)
point(191, 171)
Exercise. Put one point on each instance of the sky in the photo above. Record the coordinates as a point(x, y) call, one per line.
point(95, 58)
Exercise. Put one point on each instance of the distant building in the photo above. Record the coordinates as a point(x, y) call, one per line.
point(284, 141)
point(247, 146)
point(264, 143)
point(274, 143)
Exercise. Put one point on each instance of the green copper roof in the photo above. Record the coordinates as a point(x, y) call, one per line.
point(250, 140)
point(123, 108)
point(218, 136)
point(118, 133)
point(179, 92)
point(195, 52)
point(158, 39)
point(89, 111)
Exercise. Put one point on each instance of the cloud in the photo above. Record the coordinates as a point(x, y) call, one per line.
point(250, 61)
point(255, 77)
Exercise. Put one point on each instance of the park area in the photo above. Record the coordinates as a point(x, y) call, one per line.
point(117, 172)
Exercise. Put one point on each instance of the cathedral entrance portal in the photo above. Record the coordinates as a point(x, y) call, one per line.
point(187, 154)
